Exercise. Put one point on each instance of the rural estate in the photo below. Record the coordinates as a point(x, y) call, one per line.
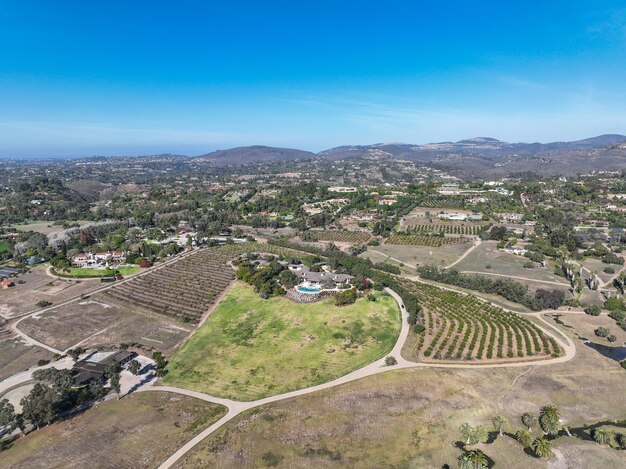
point(208, 261)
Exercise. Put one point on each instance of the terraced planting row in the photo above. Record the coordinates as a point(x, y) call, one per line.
point(340, 236)
point(423, 240)
point(185, 289)
point(463, 328)
point(188, 288)
point(445, 229)
point(444, 202)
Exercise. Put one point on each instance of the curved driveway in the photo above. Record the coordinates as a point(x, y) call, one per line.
point(379, 366)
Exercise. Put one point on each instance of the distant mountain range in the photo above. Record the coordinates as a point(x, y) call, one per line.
point(480, 156)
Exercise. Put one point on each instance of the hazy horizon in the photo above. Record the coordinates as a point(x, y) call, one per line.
point(81, 79)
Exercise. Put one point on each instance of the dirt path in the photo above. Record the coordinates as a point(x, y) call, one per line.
point(379, 366)
point(477, 243)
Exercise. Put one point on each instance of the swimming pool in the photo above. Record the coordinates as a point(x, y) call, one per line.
point(308, 289)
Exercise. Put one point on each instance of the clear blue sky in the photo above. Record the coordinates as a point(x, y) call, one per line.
point(137, 77)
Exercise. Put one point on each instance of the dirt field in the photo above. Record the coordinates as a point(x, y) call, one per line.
point(40, 286)
point(504, 263)
point(141, 430)
point(417, 255)
point(411, 418)
point(16, 356)
point(101, 320)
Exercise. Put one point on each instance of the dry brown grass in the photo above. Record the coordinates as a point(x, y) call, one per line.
point(410, 418)
point(141, 430)
point(40, 286)
point(16, 356)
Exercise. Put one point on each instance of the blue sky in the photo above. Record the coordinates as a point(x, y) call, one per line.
point(139, 77)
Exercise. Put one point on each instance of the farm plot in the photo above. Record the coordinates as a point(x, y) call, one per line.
point(422, 240)
point(444, 228)
point(463, 328)
point(185, 289)
point(141, 430)
point(444, 202)
point(342, 236)
point(103, 320)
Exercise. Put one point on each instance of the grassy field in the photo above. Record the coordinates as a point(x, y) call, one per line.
point(505, 264)
point(101, 320)
point(417, 255)
point(141, 430)
point(87, 272)
point(4, 246)
point(250, 348)
point(410, 419)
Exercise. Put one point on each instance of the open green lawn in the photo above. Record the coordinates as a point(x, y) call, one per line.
point(86, 272)
point(251, 348)
point(4, 246)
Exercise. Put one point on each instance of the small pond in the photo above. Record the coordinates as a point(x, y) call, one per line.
point(617, 353)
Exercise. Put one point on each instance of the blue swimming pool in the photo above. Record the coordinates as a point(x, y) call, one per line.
point(308, 290)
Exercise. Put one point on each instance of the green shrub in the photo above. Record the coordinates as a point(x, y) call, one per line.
point(602, 332)
point(593, 310)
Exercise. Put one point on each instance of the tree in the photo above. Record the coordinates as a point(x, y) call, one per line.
point(473, 435)
point(38, 406)
point(161, 364)
point(7, 413)
point(621, 440)
point(76, 352)
point(473, 459)
point(524, 438)
point(602, 436)
point(542, 447)
point(113, 373)
point(549, 420)
point(134, 366)
point(500, 424)
point(602, 332)
point(593, 310)
point(530, 420)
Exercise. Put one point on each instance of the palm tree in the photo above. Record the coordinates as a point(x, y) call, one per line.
point(473, 435)
point(479, 435)
point(500, 423)
point(524, 438)
point(602, 436)
point(549, 420)
point(530, 420)
point(474, 459)
point(542, 447)
point(466, 431)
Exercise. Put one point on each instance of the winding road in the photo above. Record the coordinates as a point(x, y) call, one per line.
point(237, 407)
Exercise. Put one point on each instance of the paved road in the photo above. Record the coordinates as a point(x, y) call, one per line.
point(379, 366)
point(25, 376)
